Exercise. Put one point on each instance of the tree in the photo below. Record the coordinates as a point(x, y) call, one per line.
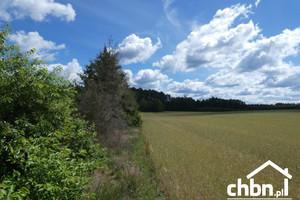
point(158, 106)
point(104, 96)
point(46, 150)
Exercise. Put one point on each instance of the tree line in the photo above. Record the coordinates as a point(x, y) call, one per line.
point(154, 101)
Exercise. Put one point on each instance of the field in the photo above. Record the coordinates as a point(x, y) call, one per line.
point(197, 154)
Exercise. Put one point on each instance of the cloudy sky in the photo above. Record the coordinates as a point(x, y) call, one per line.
point(247, 50)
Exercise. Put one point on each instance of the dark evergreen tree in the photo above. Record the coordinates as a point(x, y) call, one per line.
point(104, 96)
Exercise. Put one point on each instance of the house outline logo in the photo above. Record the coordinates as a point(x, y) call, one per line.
point(266, 164)
point(255, 190)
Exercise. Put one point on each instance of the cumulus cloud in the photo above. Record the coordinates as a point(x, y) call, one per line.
point(134, 49)
point(216, 44)
point(44, 49)
point(285, 77)
point(250, 66)
point(35, 9)
point(193, 88)
point(280, 84)
point(148, 79)
point(129, 76)
point(260, 86)
point(248, 93)
point(70, 71)
point(270, 52)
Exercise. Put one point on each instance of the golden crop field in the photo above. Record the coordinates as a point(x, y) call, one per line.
point(199, 154)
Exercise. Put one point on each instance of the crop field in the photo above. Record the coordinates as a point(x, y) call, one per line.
point(197, 154)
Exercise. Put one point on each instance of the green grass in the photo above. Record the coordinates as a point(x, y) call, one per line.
point(131, 174)
point(199, 154)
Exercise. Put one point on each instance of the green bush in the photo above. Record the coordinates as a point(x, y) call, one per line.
point(46, 149)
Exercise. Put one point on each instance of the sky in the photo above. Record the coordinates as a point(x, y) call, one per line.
point(247, 50)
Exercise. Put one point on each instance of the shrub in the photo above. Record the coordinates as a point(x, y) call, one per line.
point(46, 149)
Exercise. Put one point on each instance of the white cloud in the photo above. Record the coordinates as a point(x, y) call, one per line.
point(215, 44)
point(44, 49)
point(70, 71)
point(259, 86)
point(134, 49)
point(192, 88)
point(171, 13)
point(274, 85)
point(257, 2)
point(4, 15)
point(285, 77)
point(148, 79)
point(129, 76)
point(246, 92)
point(269, 53)
point(35, 9)
point(250, 67)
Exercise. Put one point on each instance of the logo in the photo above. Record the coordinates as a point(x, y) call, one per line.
point(235, 191)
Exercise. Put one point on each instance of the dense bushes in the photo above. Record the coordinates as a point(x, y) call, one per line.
point(46, 150)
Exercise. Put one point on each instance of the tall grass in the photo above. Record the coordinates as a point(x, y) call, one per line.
point(199, 154)
point(131, 175)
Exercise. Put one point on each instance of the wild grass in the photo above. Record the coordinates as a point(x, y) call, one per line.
point(131, 174)
point(199, 154)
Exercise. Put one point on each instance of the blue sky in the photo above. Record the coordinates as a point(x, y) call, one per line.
point(246, 50)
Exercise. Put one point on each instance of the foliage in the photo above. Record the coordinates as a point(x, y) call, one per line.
point(46, 150)
point(132, 175)
point(104, 96)
point(150, 95)
point(129, 107)
point(151, 106)
point(151, 100)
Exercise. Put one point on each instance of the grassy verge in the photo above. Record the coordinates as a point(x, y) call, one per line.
point(131, 173)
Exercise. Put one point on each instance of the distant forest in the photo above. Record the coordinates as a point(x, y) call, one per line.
point(154, 101)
